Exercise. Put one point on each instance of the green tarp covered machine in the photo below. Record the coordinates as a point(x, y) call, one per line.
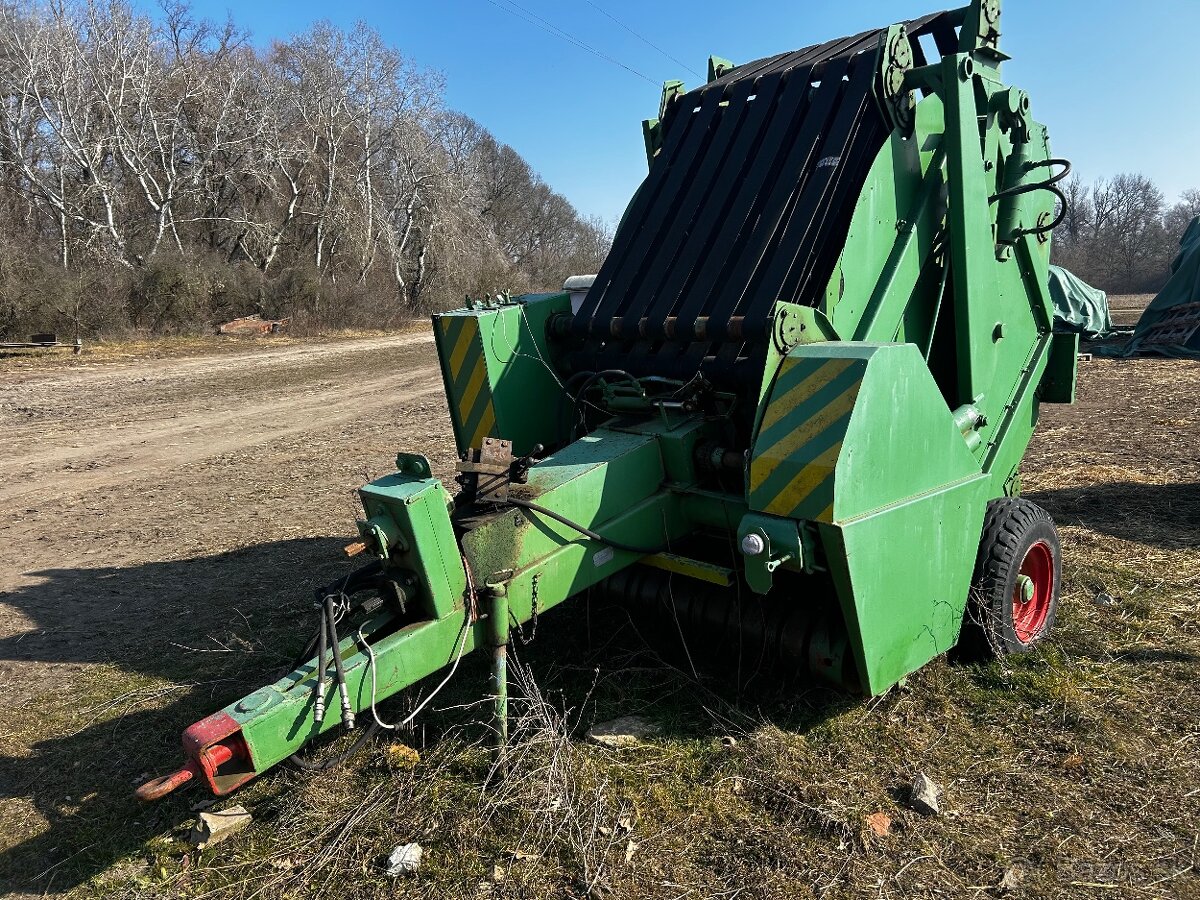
point(1078, 307)
point(1170, 326)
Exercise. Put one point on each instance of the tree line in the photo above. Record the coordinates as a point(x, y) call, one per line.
point(1120, 234)
point(166, 174)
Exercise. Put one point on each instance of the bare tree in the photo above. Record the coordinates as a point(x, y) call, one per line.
point(322, 176)
point(1181, 214)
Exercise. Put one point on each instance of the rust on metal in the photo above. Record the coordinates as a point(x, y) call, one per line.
point(216, 751)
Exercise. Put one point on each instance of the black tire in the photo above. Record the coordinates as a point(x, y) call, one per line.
point(1019, 551)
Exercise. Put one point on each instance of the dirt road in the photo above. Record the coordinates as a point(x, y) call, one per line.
point(139, 497)
point(81, 449)
point(67, 436)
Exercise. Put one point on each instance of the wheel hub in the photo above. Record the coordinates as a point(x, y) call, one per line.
point(1033, 591)
point(1025, 588)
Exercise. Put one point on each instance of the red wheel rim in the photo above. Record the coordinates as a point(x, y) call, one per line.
point(1029, 615)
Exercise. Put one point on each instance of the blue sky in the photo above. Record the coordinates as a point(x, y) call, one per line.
point(1114, 81)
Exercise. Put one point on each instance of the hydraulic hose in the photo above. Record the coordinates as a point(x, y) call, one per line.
point(319, 688)
point(586, 532)
point(360, 579)
point(1047, 185)
point(1037, 185)
point(338, 665)
point(307, 765)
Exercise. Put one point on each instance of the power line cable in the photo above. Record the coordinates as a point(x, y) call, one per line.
point(537, 21)
point(644, 40)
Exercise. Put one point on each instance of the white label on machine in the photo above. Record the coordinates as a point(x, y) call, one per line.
point(602, 557)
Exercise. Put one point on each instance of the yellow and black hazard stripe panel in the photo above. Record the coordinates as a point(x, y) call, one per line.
point(468, 388)
point(801, 434)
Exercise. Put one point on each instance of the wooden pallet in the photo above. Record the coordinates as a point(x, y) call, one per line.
point(1177, 328)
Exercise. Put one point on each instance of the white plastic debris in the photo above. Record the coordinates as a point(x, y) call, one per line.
point(405, 859)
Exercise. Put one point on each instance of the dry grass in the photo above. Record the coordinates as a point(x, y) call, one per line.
point(1129, 301)
point(1126, 309)
point(1072, 772)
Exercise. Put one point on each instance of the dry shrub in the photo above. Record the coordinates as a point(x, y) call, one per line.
point(557, 789)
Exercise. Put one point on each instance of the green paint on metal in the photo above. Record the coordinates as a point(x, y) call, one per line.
point(498, 631)
point(611, 482)
point(767, 544)
point(872, 459)
point(417, 507)
point(652, 138)
point(494, 358)
point(902, 493)
point(671, 91)
point(1058, 382)
point(718, 67)
point(590, 482)
point(986, 346)
point(1025, 586)
point(282, 721)
point(903, 575)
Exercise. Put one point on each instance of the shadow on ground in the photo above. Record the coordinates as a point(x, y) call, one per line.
point(1165, 515)
point(164, 644)
point(197, 633)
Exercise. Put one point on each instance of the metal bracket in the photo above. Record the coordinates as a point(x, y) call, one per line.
point(895, 60)
point(415, 465)
point(671, 91)
point(487, 471)
point(652, 131)
point(718, 67)
point(793, 325)
point(980, 33)
point(768, 542)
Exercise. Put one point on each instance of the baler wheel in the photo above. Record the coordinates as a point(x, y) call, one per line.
point(1014, 594)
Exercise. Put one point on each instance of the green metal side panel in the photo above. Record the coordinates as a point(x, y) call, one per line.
point(874, 295)
point(802, 430)
point(858, 437)
point(1058, 384)
point(498, 372)
point(903, 576)
point(850, 427)
point(901, 441)
point(986, 331)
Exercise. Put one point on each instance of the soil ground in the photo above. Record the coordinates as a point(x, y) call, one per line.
point(165, 519)
point(1126, 309)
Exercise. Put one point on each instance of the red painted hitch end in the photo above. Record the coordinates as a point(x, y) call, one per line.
point(216, 751)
